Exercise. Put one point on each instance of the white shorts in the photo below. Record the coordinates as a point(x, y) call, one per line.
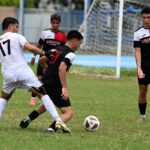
point(22, 77)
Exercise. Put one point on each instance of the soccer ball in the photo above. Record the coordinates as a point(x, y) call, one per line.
point(91, 123)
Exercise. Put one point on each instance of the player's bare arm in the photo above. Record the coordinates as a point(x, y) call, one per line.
point(42, 62)
point(33, 49)
point(33, 58)
point(62, 75)
point(138, 62)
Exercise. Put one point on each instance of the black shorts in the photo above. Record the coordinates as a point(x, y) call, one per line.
point(39, 70)
point(145, 80)
point(54, 93)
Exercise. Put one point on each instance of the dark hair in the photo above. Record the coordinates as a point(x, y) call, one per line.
point(7, 21)
point(55, 17)
point(74, 34)
point(145, 10)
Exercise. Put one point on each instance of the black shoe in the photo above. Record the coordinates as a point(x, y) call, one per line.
point(25, 122)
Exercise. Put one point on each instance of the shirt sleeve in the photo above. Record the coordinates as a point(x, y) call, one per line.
point(41, 40)
point(71, 57)
point(68, 59)
point(136, 41)
point(22, 40)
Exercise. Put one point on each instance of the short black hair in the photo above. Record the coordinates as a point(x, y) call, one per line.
point(7, 21)
point(145, 10)
point(74, 34)
point(55, 17)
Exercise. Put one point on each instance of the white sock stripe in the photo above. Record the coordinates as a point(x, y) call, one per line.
point(3, 103)
point(3, 100)
point(50, 107)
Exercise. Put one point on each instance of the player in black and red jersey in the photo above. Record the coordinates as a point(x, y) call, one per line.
point(55, 81)
point(142, 54)
point(15, 71)
point(49, 39)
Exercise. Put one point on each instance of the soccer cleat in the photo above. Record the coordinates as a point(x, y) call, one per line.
point(50, 130)
point(33, 101)
point(142, 118)
point(62, 126)
point(25, 122)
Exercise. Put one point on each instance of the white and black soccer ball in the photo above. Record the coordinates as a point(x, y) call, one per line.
point(91, 123)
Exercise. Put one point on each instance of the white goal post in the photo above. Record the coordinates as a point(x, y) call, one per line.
point(119, 41)
point(108, 29)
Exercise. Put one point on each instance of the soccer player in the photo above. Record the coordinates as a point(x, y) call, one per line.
point(49, 39)
point(142, 55)
point(17, 73)
point(55, 82)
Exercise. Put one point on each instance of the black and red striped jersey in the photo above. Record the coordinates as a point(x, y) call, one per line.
point(50, 40)
point(142, 41)
point(63, 54)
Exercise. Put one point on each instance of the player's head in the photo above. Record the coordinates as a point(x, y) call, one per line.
point(55, 20)
point(74, 39)
point(145, 13)
point(10, 24)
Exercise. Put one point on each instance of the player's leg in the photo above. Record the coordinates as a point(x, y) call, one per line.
point(143, 88)
point(39, 76)
point(28, 80)
point(32, 116)
point(31, 82)
point(49, 106)
point(7, 92)
point(3, 101)
point(33, 96)
point(142, 100)
point(63, 105)
point(33, 99)
point(66, 115)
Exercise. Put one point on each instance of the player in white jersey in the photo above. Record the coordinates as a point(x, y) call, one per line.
point(17, 73)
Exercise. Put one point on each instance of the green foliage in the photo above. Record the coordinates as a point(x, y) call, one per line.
point(9, 3)
point(30, 3)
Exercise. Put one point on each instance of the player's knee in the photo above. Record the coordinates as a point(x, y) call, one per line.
point(68, 112)
point(6, 96)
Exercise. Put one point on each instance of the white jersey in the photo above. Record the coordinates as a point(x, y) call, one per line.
point(15, 70)
point(11, 50)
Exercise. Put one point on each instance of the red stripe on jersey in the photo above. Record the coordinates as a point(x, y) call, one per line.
point(60, 36)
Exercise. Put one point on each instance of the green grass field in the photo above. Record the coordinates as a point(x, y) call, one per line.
point(113, 101)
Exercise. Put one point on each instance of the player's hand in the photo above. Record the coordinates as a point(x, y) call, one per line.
point(52, 52)
point(32, 61)
point(140, 74)
point(65, 94)
point(45, 69)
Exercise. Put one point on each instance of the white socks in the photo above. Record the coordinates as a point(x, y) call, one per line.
point(50, 107)
point(3, 103)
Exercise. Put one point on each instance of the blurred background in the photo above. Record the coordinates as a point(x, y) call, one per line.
point(36, 14)
point(100, 21)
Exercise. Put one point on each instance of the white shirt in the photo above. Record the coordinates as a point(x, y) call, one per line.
point(11, 50)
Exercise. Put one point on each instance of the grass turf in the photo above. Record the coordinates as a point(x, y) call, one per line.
point(113, 101)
